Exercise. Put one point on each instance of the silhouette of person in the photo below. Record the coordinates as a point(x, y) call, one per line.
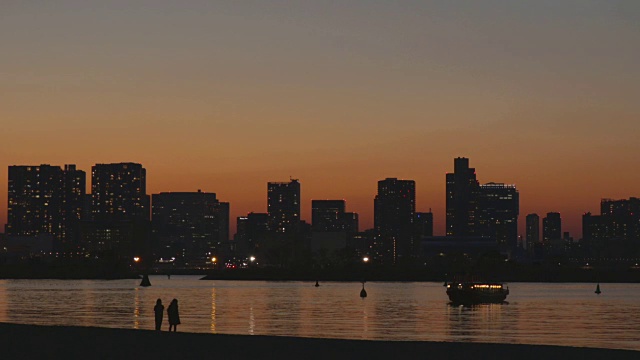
point(174, 316)
point(159, 310)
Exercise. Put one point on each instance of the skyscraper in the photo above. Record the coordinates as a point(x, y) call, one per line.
point(622, 218)
point(616, 231)
point(351, 222)
point(462, 193)
point(189, 224)
point(424, 224)
point(394, 212)
point(252, 231)
point(497, 214)
point(75, 185)
point(327, 215)
point(119, 192)
point(283, 206)
point(35, 200)
point(120, 210)
point(532, 231)
point(223, 211)
point(44, 200)
point(551, 228)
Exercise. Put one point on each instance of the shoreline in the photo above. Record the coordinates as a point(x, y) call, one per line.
point(31, 341)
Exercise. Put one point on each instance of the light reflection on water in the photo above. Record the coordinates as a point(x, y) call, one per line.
point(555, 314)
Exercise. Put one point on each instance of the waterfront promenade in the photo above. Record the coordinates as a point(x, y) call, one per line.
point(30, 342)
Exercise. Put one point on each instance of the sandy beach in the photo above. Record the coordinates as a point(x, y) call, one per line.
point(64, 342)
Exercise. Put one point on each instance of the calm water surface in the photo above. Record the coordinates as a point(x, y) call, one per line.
point(555, 314)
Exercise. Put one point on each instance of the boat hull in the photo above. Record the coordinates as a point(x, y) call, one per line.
point(469, 294)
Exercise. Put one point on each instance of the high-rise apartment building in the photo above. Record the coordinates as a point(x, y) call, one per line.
point(252, 231)
point(74, 185)
point(551, 228)
point(622, 218)
point(223, 215)
point(189, 225)
point(394, 214)
point(330, 216)
point(283, 206)
point(423, 224)
point(45, 199)
point(532, 232)
point(462, 192)
point(120, 211)
point(327, 215)
point(616, 231)
point(497, 214)
point(351, 222)
point(119, 192)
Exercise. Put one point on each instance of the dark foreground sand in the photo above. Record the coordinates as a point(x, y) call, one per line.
point(65, 342)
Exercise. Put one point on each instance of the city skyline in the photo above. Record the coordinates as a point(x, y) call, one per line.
point(227, 96)
point(439, 219)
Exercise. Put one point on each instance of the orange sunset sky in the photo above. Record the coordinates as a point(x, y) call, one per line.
point(225, 96)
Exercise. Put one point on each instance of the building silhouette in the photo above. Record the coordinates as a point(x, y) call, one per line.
point(331, 227)
point(616, 231)
point(45, 200)
point(532, 232)
point(351, 222)
point(552, 234)
point(423, 224)
point(623, 217)
point(327, 215)
point(75, 185)
point(497, 214)
point(330, 215)
point(119, 192)
point(283, 206)
point(394, 214)
point(462, 193)
point(120, 211)
point(190, 226)
point(488, 211)
point(551, 227)
point(252, 232)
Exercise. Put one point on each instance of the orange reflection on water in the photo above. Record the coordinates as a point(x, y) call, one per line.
point(213, 310)
point(136, 309)
point(4, 308)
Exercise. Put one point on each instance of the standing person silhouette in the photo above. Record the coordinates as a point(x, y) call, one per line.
point(174, 316)
point(159, 310)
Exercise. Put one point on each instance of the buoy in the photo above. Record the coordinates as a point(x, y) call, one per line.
point(363, 292)
point(317, 284)
point(145, 280)
point(598, 289)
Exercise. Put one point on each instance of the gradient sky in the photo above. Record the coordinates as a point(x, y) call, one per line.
point(224, 96)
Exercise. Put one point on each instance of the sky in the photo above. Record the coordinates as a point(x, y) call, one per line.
point(225, 96)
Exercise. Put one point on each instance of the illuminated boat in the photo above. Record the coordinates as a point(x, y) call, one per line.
point(467, 293)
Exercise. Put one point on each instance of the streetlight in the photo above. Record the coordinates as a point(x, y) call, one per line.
point(136, 259)
point(365, 259)
point(252, 259)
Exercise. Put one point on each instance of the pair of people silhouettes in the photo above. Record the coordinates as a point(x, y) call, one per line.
point(172, 313)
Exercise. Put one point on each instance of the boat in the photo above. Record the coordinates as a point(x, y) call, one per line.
point(598, 289)
point(469, 293)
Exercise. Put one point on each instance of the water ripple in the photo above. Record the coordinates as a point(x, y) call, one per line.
point(554, 314)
